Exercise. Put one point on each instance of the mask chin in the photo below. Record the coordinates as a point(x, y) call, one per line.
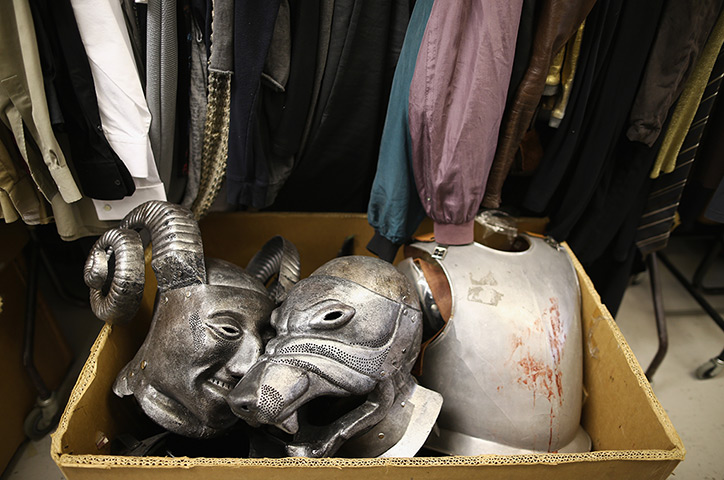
point(164, 410)
point(175, 417)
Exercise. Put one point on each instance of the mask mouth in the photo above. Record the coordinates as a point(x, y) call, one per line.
point(309, 429)
point(325, 410)
point(319, 414)
point(290, 424)
point(223, 384)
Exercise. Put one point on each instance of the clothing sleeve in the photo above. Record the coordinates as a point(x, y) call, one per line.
point(457, 98)
point(247, 178)
point(682, 33)
point(558, 21)
point(394, 210)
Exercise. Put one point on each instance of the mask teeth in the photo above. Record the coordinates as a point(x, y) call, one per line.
point(291, 424)
point(221, 384)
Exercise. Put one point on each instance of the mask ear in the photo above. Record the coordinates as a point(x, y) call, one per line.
point(127, 379)
point(121, 386)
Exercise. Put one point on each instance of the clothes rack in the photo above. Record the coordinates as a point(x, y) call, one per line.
point(696, 288)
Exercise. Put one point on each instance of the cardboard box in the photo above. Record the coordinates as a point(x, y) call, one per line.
point(631, 433)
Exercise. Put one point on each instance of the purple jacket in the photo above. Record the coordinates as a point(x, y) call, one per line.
point(457, 98)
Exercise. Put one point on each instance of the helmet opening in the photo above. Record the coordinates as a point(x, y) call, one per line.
point(499, 231)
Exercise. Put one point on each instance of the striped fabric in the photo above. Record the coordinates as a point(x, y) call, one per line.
point(658, 218)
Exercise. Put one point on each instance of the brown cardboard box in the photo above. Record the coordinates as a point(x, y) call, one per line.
point(631, 433)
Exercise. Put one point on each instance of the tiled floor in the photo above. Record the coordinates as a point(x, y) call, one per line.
point(696, 407)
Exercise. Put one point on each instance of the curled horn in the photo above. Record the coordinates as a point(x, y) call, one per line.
point(178, 252)
point(116, 292)
point(115, 267)
point(277, 257)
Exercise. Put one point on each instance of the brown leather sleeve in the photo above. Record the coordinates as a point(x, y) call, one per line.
point(558, 22)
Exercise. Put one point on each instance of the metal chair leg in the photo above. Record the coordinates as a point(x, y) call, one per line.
point(703, 303)
point(43, 417)
point(653, 268)
point(716, 365)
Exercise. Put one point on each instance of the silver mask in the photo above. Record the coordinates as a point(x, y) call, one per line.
point(210, 320)
point(337, 377)
point(508, 358)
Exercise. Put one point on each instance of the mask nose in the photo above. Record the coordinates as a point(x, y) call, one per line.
point(267, 391)
point(245, 357)
point(244, 398)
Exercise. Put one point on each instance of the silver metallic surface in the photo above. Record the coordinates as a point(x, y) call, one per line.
point(509, 361)
point(178, 253)
point(116, 299)
point(177, 259)
point(350, 330)
point(430, 309)
point(202, 340)
point(277, 257)
point(210, 321)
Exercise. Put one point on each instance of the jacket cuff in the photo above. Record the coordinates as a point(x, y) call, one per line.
point(383, 247)
point(454, 234)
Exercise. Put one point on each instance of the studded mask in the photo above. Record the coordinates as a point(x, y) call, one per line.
point(347, 338)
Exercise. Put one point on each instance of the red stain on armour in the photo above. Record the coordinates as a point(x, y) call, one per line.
point(537, 376)
point(543, 377)
point(550, 436)
point(556, 336)
point(556, 339)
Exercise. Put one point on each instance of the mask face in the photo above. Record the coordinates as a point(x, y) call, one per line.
point(340, 354)
point(203, 340)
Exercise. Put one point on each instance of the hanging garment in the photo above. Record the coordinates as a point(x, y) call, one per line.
point(101, 173)
point(687, 106)
point(457, 98)
point(19, 197)
point(658, 218)
point(337, 163)
point(607, 115)
point(557, 23)
point(253, 27)
point(73, 220)
point(216, 125)
point(198, 86)
point(286, 92)
point(161, 88)
point(618, 193)
point(568, 74)
point(124, 113)
point(23, 105)
point(394, 210)
point(523, 47)
point(683, 32)
point(138, 42)
point(326, 15)
point(562, 144)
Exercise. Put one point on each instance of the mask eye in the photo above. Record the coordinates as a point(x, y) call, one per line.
point(331, 315)
point(224, 327)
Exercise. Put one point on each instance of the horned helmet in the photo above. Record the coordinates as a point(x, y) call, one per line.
point(210, 319)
